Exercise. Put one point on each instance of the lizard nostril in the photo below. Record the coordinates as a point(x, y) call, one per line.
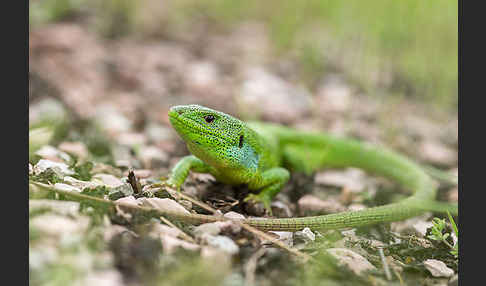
point(180, 112)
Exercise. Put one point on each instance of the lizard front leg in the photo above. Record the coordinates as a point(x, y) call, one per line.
point(181, 170)
point(270, 183)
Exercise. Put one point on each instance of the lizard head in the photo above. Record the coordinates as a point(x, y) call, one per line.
point(212, 136)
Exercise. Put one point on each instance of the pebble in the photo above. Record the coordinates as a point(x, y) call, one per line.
point(156, 132)
point(59, 168)
point(352, 179)
point(47, 109)
point(111, 120)
point(120, 191)
point(130, 200)
point(438, 268)
point(313, 204)
point(334, 96)
point(273, 97)
point(305, 235)
point(234, 215)
point(222, 242)
point(152, 157)
point(416, 225)
point(285, 237)
point(80, 184)
point(165, 205)
point(437, 153)
point(280, 209)
point(212, 228)
point(51, 153)
point(108, 180)
point(76, 148)
point(355, 262)
point(170, 243)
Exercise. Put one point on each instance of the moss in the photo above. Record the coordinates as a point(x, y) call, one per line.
point(82, 170)
point(49, 176)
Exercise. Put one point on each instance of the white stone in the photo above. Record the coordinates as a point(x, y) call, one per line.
point(80, 184)
point(170, 243)
point(60, 168)
point(286, 237)
point(438, 268)
point(76, 148)
point(130, 200)
point(352, 179)
point(234, 215)
point(222, 242)
point(108, 180)
point(351, 259)
point(165, 205)
point(48, 152)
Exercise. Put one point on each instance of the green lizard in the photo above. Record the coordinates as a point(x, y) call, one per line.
point(260, 155)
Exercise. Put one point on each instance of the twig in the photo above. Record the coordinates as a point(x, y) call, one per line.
point(251, 229)
point(262, 235)
point(133, 181)
point(251, 265)
point(184, 235)
point(385, 264)
point(398, 275)
point(200, 204)
point(277, 242)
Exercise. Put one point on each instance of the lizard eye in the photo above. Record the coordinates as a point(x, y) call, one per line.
point(209, 118)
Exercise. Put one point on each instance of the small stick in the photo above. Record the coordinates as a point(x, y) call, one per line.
point(385, 264)
point(200, 204)
point(133, 181)
point(398, 275)
point(262, 235)
point(277, 242)
point(251, 229)
point(184, 235)
point(251, 265)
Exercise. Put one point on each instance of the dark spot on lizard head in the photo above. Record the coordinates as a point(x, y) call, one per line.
point(241, 141)
point(209, 118)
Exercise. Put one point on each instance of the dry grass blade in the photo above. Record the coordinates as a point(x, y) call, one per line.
point(157, 213)
point(185, 236)
point(179, 195)
point(251, 265)
point(262, 235)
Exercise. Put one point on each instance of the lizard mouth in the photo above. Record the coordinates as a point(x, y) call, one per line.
point(186, 126)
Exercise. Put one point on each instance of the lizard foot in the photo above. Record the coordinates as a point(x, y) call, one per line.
point(259, 198)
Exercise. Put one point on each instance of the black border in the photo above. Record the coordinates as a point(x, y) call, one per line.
point(15, 97)
point(14, 214)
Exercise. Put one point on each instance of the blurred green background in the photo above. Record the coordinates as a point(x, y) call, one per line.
point(392, 48)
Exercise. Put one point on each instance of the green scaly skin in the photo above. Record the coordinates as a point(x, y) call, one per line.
point(260, 155)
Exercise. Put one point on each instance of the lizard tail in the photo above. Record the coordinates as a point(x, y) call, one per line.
point(339, 152)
